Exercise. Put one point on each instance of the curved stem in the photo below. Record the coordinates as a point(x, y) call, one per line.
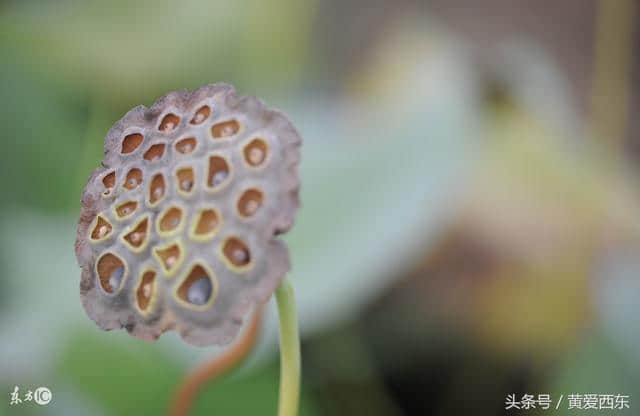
point(195, 381)
point(289, 351)
point(289, 359)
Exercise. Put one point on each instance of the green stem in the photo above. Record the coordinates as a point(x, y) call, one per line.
point(289, 351)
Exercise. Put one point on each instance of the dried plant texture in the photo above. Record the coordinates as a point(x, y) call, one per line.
point(178, 228)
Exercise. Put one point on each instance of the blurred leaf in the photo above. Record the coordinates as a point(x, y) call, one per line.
point(44, 131)
point(374, 190)
point(139, 378)
point(132, 379)
point(145, 48)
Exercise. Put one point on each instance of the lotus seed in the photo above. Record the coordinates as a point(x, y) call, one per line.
point(103, 231)
point(116, 278)
point(136, 237)
point(200, 291)
point(170, 261)
point(256, 155)
point(219, 177)
point(186, 184)
point(251, 207)
point(199, 118)
point(146, 290)
point(240, 256)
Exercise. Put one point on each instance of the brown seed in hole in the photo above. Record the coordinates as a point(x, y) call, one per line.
point(110, 272)
point(186, 179)
point(131, 142)
point(139, 234)
point(197, 288)
point(225, 129)
point(201, 115)
point(154, 153)
point(134, 178)
point(207, 222)
point(109, 182)
point(171, 219)
point(126, 209)
point(169, 123)
point(169, 256)
point(249, 202)
point(157, 188)
point(255, 152)
point(218, 171)
point(186, 146)
point(237, 252)
point(145, 289)
point(102, 229)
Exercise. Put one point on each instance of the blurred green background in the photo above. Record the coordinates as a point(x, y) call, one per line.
point(470, 225)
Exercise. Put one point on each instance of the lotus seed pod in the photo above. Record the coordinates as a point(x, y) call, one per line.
point(178, 226)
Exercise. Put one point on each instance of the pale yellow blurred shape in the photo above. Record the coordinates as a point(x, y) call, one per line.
point(534, 311)
point(412, 58)
point(548, 206)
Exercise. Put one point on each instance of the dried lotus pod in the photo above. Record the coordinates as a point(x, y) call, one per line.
point(178, 227)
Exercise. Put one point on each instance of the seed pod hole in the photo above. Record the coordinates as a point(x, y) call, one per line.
point(197, 288)
point(102, 229)
point(111, 272)
point(131, 142)
point(206, 223)
point(201, 115)
point(186, 179)
point(146, 289)
point(126, 209)
point(133, 179)
point(186, 145)
point(157, 188)
point(218, 171)
point(169, 123)
point(236, 252)
point(225, 129)
point(249, 202)
point(155, 152)
point(169, 257)
point(255, 152)
point(137, 237)
point(170, 220)
point(109, 182)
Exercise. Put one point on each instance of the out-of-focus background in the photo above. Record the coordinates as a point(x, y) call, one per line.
point(471, 199)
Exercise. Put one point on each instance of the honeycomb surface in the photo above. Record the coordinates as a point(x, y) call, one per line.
point(179, 225)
